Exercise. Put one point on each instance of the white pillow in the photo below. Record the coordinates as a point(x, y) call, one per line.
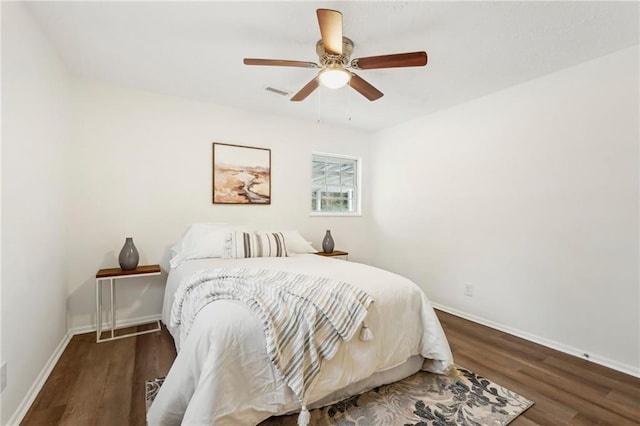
point(202, 240)
point(296, 243)
point(248, 244)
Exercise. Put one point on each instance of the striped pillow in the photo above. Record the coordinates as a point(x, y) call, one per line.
point(249, 244)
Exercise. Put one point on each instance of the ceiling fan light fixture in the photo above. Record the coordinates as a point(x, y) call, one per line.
point(334, 77)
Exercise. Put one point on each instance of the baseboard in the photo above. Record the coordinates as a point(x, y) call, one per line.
point(31, 395)
point(119, 324)
point(606, 362)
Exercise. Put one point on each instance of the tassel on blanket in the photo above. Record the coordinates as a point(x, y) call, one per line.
point(452, 372)
point(365, 333)
point(304, 417)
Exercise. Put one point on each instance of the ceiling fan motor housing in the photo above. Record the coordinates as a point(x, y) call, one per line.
point(328, 60)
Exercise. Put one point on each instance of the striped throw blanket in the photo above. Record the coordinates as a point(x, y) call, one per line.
point(304, 317)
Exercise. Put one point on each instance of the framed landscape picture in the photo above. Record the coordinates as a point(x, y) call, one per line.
point(241, 174)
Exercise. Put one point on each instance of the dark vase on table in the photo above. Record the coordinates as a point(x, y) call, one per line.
point(327, 242)
point(129, 256)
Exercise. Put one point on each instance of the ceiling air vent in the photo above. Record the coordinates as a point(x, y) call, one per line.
point(276, 91)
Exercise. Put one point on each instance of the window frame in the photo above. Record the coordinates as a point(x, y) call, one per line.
point(358, 184)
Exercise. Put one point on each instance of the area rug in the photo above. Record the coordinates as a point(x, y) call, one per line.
point(461, 398)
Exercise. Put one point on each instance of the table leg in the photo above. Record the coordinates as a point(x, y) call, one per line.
point(98, 310)
point(113, 309)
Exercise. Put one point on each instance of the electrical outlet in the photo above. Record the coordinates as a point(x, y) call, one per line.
point(3, 376)
point(468, 289)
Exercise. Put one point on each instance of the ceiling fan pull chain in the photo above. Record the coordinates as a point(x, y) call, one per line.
point(319, 107)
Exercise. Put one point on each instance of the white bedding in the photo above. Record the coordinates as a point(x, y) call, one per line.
point(223, 376)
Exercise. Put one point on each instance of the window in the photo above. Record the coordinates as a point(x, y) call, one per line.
point(335, 184)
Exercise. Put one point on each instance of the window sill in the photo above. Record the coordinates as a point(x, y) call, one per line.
point(336, 214)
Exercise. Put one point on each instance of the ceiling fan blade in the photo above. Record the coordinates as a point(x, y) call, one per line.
point(412, 59)
point(306, 90)
point(364, 88)
point(330, 22)
point(279, 63)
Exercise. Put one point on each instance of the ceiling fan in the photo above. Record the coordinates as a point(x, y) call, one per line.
point(334, 52)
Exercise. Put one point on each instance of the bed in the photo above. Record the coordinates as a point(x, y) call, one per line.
point(223, 375)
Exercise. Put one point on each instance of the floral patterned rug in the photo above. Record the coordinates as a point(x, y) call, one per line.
point(461, 398)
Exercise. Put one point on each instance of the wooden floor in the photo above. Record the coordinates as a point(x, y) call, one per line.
point(103, 384)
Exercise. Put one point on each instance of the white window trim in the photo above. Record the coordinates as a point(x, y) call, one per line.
point(358, 160)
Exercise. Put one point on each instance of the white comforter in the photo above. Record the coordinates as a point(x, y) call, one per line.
point(223, 376)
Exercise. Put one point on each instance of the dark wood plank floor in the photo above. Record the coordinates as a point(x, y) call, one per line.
point(565, 389)
point(103, 384)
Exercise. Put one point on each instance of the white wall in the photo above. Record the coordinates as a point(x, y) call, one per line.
point(142, 168)
point(35, 138)
point(530, 194)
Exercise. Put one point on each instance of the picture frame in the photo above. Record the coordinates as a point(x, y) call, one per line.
point(241, 174)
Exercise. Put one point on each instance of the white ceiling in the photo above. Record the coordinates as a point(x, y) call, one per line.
point(195, 49)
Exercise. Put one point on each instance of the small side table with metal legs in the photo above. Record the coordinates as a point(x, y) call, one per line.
point(112, 275)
